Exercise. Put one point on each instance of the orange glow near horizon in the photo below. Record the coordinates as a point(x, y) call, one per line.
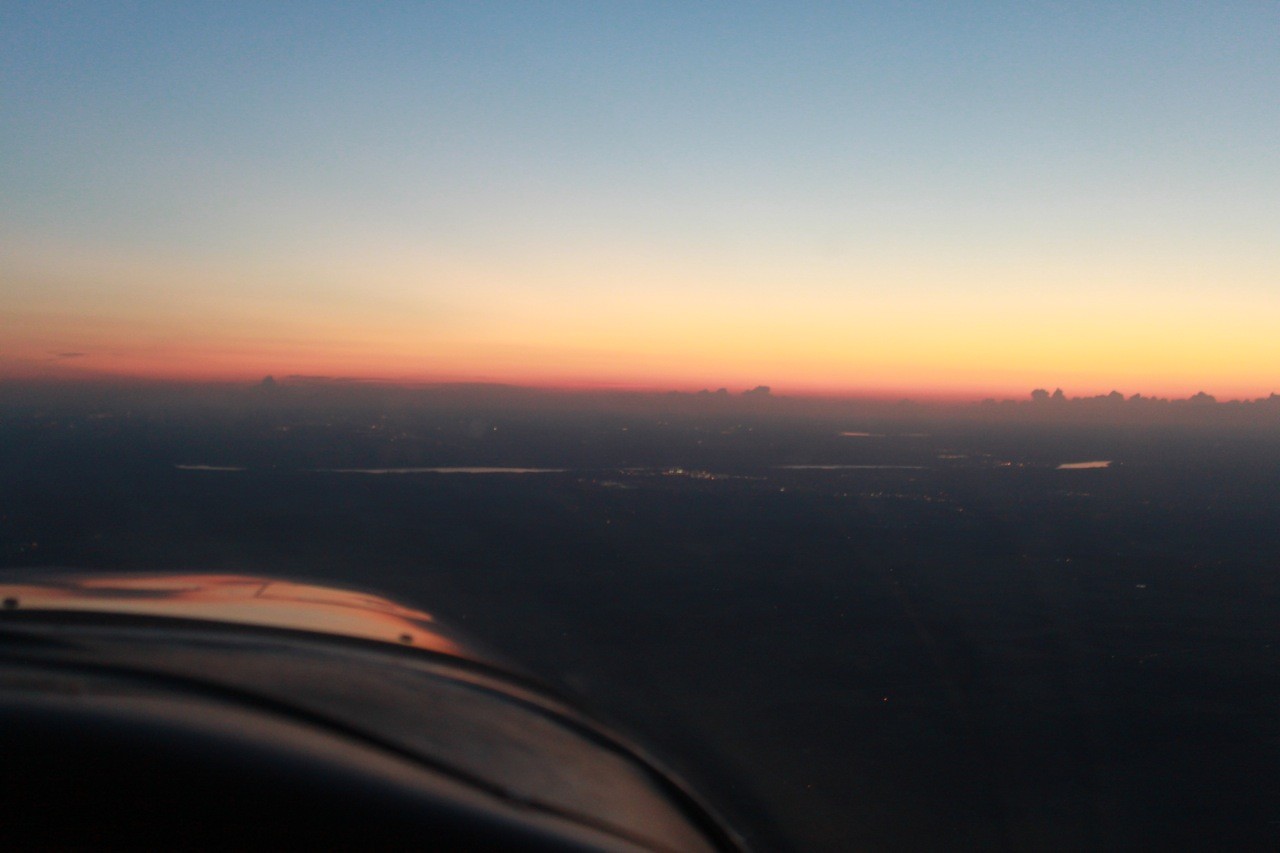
point(560, 368)
point(937, 333)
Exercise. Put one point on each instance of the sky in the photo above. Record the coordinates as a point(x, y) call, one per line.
point(920, 199)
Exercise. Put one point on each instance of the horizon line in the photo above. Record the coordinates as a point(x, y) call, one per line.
point(581, 389)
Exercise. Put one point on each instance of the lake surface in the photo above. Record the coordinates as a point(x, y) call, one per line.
point(850, 467)
point(443, 470)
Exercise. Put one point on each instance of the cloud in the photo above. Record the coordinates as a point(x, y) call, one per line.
point(62, 356)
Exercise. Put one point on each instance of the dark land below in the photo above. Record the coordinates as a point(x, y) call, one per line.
point(969, 649)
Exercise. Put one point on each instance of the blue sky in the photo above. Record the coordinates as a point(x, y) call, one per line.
point(742, 151)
